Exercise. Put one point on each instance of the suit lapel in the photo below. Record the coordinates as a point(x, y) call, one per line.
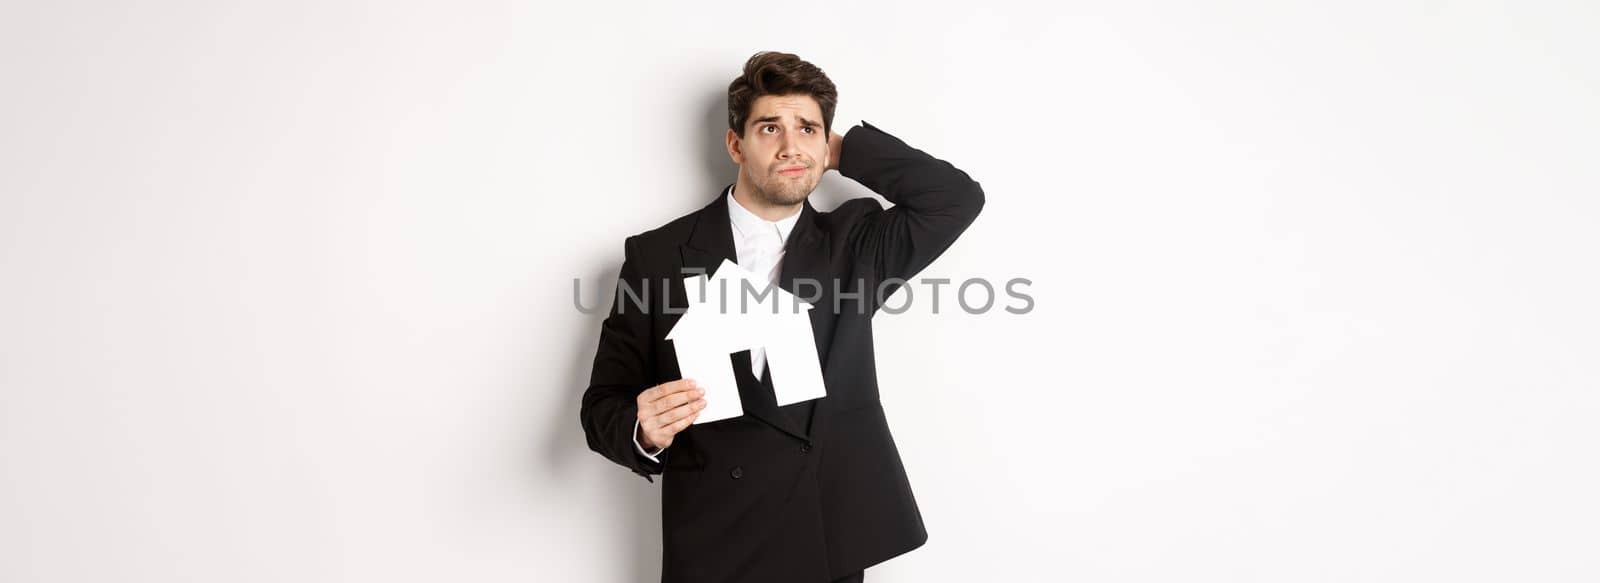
point(709, 244)
point(712, 239)
point(807, 273)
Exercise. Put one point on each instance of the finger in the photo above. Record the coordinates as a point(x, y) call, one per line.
point(668, 417)
point(674, 393)
point(668, 426)
point(656, 392)
point(648, 409)
point(664, 390)
point(683, 423)
point(650, 417)
point(681, 411)
point(676, 400)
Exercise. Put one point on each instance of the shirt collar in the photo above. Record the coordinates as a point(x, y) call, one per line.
point(746, 223)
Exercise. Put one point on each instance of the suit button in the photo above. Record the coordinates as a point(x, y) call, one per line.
point(805, 447)
point(737, 472)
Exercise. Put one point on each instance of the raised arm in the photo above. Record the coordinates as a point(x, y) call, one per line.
point(934, 203)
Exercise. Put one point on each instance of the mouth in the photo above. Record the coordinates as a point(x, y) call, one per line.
point(793, 171)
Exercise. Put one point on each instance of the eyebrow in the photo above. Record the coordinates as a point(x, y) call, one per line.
point(803, 121)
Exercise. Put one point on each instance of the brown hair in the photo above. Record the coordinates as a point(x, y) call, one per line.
point(774, 73)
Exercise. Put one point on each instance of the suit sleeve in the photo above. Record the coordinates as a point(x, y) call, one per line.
point(621, 365)
point(934, 203)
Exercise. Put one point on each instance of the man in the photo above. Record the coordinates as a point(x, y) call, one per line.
point(814, 491)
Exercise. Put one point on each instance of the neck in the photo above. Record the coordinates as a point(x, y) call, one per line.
point(767, 211)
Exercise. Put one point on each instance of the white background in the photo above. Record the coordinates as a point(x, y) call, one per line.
point(287, 287)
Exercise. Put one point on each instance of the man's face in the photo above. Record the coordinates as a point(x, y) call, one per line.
point(784, 149)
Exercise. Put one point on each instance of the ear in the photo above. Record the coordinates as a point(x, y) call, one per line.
point(734, 151)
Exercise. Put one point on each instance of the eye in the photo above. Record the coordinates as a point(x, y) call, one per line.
point(810, 129)
point(768, 127)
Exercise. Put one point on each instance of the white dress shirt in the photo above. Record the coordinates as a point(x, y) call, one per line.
point(758, 244)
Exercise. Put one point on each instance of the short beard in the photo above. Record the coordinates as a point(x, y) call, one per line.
point(781, 191)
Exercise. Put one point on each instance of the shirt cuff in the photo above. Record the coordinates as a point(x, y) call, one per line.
point(640, 448)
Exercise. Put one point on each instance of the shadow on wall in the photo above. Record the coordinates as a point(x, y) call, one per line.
point(636, 501)
point(717, 169)
point(639, 501)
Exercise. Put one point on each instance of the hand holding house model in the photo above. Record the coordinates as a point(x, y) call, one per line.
point(733, 311)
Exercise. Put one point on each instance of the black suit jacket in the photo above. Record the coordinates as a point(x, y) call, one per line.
point(812, 491)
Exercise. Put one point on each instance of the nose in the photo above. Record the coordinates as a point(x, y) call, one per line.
point(788, 147)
